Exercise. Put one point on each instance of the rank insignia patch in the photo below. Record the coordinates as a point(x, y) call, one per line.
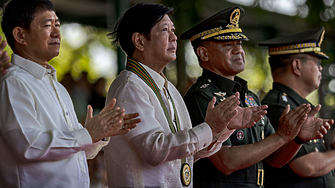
point(284, 97)
point(204, 86)
point(240, 135)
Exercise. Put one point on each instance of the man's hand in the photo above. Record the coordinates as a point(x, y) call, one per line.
point(218, 117)
point(3, 58)
point(290, 122)
point(247, 117)
point(313, 127)
point(128, 123)
point(108, 122)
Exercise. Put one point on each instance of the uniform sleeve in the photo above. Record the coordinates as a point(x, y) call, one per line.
point(153, 142)
point(30, 140)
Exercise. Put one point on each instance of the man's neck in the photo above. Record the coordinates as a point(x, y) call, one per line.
point(296, 86)
point(32, 58)
point(148, 61)
point(231, 77)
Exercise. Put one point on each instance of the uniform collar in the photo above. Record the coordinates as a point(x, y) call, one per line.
point(33, 68)
point(158, 78)
point(225, 84)
point(290, 92)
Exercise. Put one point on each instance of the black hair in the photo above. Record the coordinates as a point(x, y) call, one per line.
point(139, 18)
point(281, 61)
point(20, 13)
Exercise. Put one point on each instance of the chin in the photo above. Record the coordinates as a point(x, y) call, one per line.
point(171, 58)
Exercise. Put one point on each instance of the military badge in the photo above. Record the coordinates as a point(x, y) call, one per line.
point(240, 135)
point(185, 174)
point(284, 97)
point(221, 94)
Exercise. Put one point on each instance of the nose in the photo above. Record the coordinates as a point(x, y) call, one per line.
point(55, 32)
point(173, 36)
point(237, 48)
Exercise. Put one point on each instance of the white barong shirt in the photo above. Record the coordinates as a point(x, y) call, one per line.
point(150, 155)
point(41, 142)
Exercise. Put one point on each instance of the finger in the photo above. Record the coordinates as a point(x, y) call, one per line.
point(211, 103)
point(115, 118)
point(306, 111)
point(237, 95)
point(300, 112)
point(130, 126)
point(4, 55)
point(302, 120)
point(286, 110)
point(3, 45)
point(7, 65)
point(131, 116)
point(132, 121)
point(323, 130)
point(116, 125)
point(250, 124)
point(314, 111)
point(89, 113)
point(110, 105)
point(326, 125)
point(231, 106)
point(258, 108)
point(112, 113)
point(227, 101)
point(230, 116)
point(259, 115)
point(330, 121)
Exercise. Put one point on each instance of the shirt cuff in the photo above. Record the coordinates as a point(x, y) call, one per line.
point(96, 147)
point(224, 135)
point(204, 134)
point(83, 137)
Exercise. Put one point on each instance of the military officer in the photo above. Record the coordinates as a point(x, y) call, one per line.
point(295, 62)
point(217, 43)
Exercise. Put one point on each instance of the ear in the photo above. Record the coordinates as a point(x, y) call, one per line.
point(203, 53)
point(296, 67)
point(19, 35)
point(138, 41)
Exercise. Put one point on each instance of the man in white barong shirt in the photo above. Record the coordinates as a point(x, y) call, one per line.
point(155, 153)
point(41, 142)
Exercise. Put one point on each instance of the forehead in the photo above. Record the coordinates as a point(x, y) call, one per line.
point(165, 21)
point(44, 15)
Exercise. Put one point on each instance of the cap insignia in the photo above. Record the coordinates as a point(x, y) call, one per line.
point(233, 27)
point(234, 19)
